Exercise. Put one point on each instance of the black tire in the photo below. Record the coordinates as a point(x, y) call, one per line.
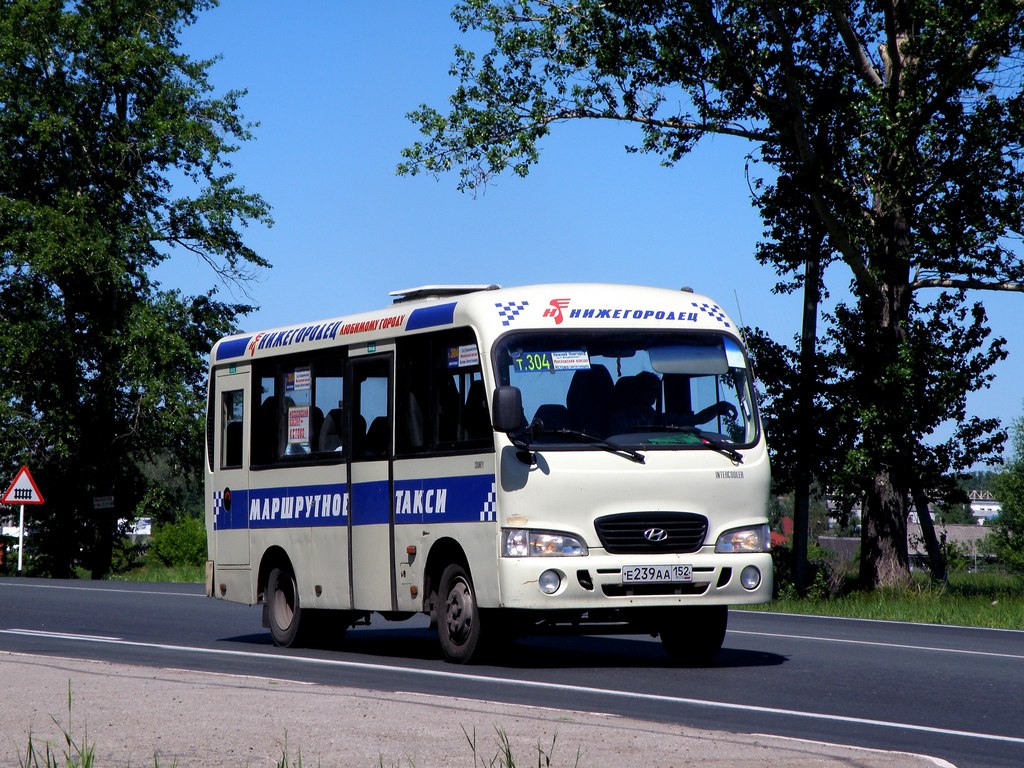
point(457, 616)
point(283, 609)
point(693, 636)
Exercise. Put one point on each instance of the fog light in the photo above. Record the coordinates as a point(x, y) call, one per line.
point(549, 582)
point(750, 578)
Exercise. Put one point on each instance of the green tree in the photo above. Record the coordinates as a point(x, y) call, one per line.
point(885, 138)
point(1008, 533)
point(114, 157)
point(179, 543)
point(950, 513)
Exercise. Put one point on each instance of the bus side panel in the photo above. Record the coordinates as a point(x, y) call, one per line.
point(302, 514)
point(227, 519)
point(295, 542)
point(445, 497)
point(226, 493)
point(329, 566)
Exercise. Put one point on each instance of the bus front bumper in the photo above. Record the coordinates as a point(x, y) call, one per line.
point(603, 582)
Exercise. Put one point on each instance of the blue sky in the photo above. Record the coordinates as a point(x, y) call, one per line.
point(330, 83)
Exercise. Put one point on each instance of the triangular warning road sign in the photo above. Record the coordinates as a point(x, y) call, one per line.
point(23, 490)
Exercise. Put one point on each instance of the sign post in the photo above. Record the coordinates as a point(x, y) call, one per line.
point(22, 490)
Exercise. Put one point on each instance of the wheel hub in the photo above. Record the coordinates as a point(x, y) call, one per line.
point(458, 616)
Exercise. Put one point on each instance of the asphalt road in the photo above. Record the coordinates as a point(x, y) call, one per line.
point(953, 693)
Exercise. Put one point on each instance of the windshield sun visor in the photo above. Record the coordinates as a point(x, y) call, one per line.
point(690, 359)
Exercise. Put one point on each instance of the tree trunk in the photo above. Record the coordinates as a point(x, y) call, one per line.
point(806, 429)
point(936, 560)
point(884, 561)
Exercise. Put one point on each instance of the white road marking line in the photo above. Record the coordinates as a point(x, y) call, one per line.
point(755, 612)
point(98, 589)
point(561, 687)
point(877, 644)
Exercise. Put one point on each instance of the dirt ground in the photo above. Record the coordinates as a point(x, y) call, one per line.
point(140, 716)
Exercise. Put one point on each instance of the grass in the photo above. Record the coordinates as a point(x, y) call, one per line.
point(504, 758)
point(174, 574)
point(969, 600)
point(73, 753)
point(179, 574)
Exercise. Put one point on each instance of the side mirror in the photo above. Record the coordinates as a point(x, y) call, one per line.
point(507, 409)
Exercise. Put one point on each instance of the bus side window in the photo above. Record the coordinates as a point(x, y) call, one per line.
point(441, 403)
point(299, 413)
point(328, 411)
point(371, 428)
point(232, 408)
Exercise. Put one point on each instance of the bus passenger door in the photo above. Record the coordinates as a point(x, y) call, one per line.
point(371, 517)
point(230, 445)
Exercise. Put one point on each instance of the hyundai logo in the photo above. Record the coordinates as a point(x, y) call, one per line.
point(655, 534)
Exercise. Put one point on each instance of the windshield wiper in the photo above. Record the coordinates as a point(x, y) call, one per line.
point(523, 439)
point(618, 450)
point(710, 442)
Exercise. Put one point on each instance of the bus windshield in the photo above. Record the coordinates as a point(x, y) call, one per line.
point(639, 389)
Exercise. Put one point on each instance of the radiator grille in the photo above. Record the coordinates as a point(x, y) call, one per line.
point(652, 533)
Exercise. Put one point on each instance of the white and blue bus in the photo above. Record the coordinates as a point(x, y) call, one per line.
point(510, 462)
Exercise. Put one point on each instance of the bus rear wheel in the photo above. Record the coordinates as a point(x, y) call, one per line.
point(693, 635)
point(457, 615)
point(283, 609)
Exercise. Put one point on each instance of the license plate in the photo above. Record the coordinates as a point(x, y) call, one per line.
point(654, 574)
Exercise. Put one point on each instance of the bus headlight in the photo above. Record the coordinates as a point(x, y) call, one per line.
point(753, 539)
point(522, 542)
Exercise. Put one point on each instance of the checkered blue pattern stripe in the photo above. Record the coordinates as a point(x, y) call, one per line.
point(218, 505)
point(488, 513)
point(509, 310)
point(714, 312)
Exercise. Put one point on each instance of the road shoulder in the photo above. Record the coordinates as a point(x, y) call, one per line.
point(141, 716)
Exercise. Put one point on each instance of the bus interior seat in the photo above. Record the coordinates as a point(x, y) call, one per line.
point(475, 418)
point(330, 432)
point(377, 437)
point(316, 425)
point(264, 439)
point(448, 402)
point(589, 399)
point(552, 416)
point(358, 436)
point(633, 402)
point(414, 423)
point(232, 444)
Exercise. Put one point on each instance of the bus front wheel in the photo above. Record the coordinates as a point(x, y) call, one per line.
point(284, 612)
point(457, 615)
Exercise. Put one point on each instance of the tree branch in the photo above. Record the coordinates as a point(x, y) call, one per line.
point(798, 128)
point(857, 53)
point(966, 283)
point(891, 52)
point(673, 124)
point(973, 60)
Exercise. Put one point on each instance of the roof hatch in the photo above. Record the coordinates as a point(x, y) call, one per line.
point(437, 292)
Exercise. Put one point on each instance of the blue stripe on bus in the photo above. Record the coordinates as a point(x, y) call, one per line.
point(233, 348)
point(428, 317)
point(459, 499)
point(464, 499)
